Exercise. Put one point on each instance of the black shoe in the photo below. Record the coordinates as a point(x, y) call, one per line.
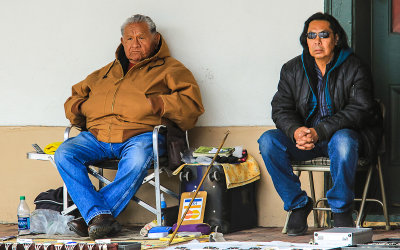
point(297, 224)
point(79, 226)
point(343, 219)
point(103, 225)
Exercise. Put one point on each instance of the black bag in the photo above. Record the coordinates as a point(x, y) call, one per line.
point(176, 145)
point(53, 199)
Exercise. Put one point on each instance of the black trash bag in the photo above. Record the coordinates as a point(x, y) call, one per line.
point(53, 199)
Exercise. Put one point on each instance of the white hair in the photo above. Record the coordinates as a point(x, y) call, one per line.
point(139, 19)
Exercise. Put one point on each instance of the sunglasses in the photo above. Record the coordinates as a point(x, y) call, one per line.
point(313, 35)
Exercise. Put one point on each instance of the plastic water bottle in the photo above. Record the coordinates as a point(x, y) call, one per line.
point(24, 214)
point(163, 206)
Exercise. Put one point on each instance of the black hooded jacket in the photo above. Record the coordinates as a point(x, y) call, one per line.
point(349, 97)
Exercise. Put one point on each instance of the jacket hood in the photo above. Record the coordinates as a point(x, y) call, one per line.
point(343, 55)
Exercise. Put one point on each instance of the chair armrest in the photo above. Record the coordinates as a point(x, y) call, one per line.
point(156, 131)
point(158, 128)
point(67, 131)
point(187, 140)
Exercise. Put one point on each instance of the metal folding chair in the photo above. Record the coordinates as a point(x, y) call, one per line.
point(153, 178)
point(322, 164)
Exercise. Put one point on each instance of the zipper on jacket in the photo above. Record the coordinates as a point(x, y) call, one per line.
point(309, 85)
point(328, 99)
point(339, 61)
point(114, 97)
point(113, 101)
point(116, 91)
point(112, 109)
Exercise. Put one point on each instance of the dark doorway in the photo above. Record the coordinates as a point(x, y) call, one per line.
point(385, 65)
point(373, 28)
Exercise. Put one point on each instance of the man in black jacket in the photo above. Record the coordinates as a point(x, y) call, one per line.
point(324, 106)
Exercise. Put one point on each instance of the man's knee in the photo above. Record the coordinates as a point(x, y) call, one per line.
point(268, 139)
point(345, 143)
point(67, 152)
point(138, 158)
point(62, 152)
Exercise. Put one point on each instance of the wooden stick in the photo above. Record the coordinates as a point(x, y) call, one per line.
point(197, 190)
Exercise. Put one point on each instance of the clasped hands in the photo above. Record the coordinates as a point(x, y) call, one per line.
point(305, 138)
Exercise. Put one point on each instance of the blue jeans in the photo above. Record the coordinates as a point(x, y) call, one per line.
point(136, 156)
point(278, 150)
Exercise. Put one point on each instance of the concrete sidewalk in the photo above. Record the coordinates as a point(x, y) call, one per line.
point(255, 234)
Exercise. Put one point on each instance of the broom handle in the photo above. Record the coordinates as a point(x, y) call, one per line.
point(180, 220)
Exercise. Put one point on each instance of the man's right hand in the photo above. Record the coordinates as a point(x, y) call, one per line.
point(304, 138)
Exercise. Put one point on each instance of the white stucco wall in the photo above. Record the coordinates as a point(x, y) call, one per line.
point(235, 49)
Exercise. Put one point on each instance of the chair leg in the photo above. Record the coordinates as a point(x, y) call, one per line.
point(66, 210)
point(157, 177)
point(65, 197)
point(383, 193)
point(315, 212)
point(284, 229)
point(101, 172)
point(364, 196)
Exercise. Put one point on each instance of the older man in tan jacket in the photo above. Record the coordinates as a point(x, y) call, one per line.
point(117, 107)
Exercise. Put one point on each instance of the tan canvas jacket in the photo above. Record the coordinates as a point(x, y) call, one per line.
point(115, 106)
